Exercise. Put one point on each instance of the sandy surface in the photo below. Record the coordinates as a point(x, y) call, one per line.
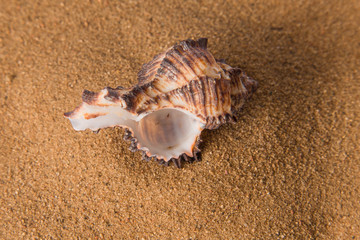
point(290, 168)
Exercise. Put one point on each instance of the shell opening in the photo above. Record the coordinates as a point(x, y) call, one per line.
point(168, 133)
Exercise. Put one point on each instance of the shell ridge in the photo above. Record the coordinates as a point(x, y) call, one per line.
point(205, 100)
point(149, 68)
point(212, 95)
point(89, 97)
point(196, 97)
point(200, 54)
point(183, 69)
point(190, 61)
point(160, 66)
point(168, 69)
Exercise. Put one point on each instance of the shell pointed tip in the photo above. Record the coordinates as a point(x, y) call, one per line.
point(68, 114)
point(203, 42)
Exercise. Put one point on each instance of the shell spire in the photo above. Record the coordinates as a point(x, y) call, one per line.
point(180, 92)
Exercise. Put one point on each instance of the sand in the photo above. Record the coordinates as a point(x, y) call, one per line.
point(289, 169)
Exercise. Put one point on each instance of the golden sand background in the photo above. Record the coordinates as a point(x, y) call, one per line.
point(290, 168)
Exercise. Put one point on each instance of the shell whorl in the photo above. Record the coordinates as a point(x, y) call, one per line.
point(185, 77)
point(178, 69)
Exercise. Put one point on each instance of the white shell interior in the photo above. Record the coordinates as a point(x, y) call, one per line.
point(166, 133)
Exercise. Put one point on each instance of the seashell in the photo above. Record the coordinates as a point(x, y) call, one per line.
point(181, 92)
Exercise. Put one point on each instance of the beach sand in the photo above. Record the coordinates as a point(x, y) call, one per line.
point(288, 169)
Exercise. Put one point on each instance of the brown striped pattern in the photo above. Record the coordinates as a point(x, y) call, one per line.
point(242, 88)
point(180, 63)
point(185, 76)
point(207, 98)
point(187, 61)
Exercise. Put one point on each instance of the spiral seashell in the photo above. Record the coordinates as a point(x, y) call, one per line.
point(180, 92)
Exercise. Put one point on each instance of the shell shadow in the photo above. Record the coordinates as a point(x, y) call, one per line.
point(285, 122)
